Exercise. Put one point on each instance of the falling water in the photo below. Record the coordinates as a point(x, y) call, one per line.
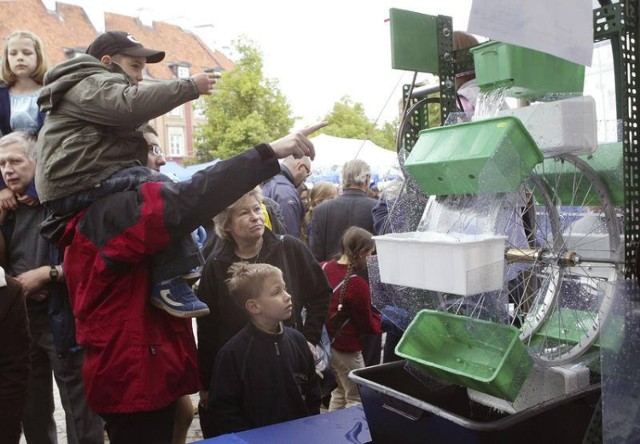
point(490, 102)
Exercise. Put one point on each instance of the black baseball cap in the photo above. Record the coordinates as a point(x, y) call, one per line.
point(118, 42)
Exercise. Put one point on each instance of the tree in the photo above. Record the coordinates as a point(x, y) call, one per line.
point(245, 109)
point(348, 119)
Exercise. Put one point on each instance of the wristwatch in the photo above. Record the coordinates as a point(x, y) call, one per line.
point(53, 273)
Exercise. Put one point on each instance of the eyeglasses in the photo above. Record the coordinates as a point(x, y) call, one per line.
point(156, 150)
point(307, 169)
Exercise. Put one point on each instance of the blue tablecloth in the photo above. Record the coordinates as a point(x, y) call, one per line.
point(347, 426)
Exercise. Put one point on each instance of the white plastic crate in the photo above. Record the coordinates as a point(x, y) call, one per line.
point(542, 385)
point(454, 263)
point(563, 126)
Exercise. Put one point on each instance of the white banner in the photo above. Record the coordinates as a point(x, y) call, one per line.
point(563, 28)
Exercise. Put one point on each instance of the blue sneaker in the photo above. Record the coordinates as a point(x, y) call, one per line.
point(176, 298)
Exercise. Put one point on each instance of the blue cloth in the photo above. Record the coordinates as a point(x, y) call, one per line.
point(24, 112)
point(6, 128)
point(282, 189)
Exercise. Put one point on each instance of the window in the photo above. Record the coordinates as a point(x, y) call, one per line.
point(176, 141)
point(176, 112)
point(183, 72)
point(198, 109)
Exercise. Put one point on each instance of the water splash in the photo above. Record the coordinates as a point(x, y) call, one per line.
point(490, 102)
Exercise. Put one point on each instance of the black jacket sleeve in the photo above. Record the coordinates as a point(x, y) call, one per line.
point(314, 290)
point(213, 189)
point(226, 397)
point(208, 331)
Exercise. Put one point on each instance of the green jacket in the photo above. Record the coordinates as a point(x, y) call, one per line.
point(91, 129)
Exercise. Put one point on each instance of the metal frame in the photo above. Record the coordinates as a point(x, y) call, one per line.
point(450, 62)
point(618, 22)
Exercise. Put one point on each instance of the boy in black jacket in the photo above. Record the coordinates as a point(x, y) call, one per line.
point(265, 374)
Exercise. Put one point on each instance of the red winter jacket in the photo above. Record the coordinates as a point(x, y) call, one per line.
point(358, 302)
point(139, 358)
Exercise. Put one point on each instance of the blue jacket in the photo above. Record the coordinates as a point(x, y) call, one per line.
point(282, 189)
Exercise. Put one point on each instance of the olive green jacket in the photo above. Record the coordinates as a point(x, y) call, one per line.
point(94, 112)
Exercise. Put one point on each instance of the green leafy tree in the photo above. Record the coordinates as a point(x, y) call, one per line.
point(244, 110)
point(386, 136)
point(348, 119)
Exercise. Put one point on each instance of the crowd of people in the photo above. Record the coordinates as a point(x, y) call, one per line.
point(99, 255)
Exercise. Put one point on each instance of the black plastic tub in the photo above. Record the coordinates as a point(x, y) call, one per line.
point(402, 409)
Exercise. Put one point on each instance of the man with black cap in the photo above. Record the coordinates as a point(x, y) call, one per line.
point(113, 216)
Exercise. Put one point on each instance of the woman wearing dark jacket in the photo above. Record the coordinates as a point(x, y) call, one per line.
point(242, 237)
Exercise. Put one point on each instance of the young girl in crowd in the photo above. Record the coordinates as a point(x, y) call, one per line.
point(23, 67)
point(320, 192)
point(350, 313)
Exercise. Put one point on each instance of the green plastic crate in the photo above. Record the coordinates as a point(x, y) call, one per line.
point(566, 326)
point(528, 73)
point(473, 353)
point(487, 156)
point(606, 161)
point(414, 41)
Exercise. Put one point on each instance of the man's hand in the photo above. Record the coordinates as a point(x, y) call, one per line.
point(8, 199)
point(33, 281)
point(297, 143)
point(28, 200)
point(205, 82)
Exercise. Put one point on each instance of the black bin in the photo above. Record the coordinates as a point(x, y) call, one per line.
point(402, 409)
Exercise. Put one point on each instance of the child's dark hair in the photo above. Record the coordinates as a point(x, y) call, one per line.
point(353, 243)
point(246, 280)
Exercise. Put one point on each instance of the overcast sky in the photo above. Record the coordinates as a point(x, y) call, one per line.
point(319, 51)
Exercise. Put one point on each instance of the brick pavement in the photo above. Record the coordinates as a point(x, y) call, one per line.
point(195, 434)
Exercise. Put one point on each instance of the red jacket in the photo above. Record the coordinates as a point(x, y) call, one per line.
point(358, 302)
point(139, 358)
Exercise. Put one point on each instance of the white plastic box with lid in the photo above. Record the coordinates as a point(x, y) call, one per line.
point(456, 263)
point(566, 126)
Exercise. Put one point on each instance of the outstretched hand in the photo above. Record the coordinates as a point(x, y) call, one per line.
point(297, 143)
point(205, 82)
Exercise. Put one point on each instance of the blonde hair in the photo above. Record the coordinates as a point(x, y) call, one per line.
point(223, 218)
point(41, 67)
point(247, 279)
point(321, 191)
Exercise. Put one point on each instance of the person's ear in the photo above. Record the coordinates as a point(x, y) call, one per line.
point(106, 59)
point(252, 306)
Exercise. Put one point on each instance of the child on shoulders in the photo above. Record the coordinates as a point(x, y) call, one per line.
point(265, 374)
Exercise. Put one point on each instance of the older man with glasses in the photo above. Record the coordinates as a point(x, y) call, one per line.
point(283, 189)
point(155, 155)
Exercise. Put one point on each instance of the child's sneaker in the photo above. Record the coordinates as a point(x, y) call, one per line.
point(176, 298)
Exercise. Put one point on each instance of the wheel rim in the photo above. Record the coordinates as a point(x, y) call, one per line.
point(556, 305)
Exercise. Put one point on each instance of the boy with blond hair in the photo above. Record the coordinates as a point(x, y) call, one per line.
point(265, 374)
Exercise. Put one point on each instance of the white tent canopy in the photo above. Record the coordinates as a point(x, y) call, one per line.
point(332, 153)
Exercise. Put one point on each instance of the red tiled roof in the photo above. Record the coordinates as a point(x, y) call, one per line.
point(67, 27)
point(180, 46)
point(70, 28)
